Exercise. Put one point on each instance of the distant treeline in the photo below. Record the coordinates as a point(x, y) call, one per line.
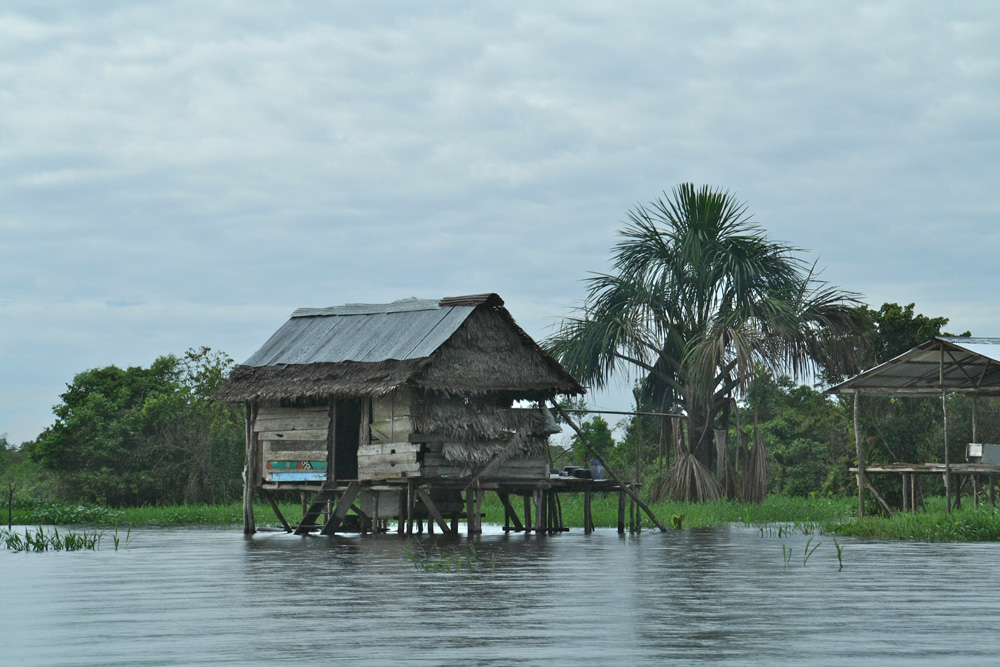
point(137, 436)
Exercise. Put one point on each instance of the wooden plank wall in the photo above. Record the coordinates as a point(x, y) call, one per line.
point(293, 441)
point(390, 454)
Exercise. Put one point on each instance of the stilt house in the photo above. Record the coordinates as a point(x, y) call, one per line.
point(402, 406)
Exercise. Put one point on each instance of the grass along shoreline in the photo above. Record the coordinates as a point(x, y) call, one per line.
point(835, 516)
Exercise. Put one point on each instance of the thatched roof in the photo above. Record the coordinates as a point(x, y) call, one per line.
point(467, 345)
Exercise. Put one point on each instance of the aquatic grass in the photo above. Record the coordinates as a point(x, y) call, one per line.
point(452, 561)
point(809, 552)
point(840, 553)
point(40, 540)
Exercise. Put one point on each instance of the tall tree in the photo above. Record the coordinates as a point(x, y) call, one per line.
point(699, 297)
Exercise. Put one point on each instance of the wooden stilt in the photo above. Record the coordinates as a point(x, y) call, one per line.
point(250, 470)
point(527, 513)
point(479, 511)
point(588, 521)
point(401, 522)
point(542, 513)
point(621, 512)
point(906, 491)
point(409, 507)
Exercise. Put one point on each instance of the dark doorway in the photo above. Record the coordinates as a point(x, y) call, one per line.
point(346, 438)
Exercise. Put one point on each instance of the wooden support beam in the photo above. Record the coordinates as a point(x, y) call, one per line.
point(344, 504)
point(588, 521)
point(277, 512)
point(881, 501)
point(432, 509)
point(509, 513)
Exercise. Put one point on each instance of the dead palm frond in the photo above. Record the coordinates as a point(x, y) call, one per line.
point(687, 481)
point(755, 476)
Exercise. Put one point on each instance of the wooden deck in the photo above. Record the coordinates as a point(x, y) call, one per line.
point(911, 487)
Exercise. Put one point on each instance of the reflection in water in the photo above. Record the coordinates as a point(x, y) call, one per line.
point(210, 596)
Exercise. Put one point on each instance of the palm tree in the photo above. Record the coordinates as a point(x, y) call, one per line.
point(699, 298)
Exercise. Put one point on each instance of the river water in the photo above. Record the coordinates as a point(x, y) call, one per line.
point(199, 596)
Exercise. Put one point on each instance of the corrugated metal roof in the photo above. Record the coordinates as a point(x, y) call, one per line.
point(945, 363)
point(407, 329)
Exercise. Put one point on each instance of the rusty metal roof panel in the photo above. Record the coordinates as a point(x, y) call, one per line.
point(409, 329)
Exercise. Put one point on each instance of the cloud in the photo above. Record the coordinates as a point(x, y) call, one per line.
point(184, 174)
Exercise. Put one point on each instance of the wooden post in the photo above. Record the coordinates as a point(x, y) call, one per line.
point(250, 471)
point(947, 458)
point(861, 456)
point(401, 522)
point(470, 511)
point(409, 506)
point(913, 493)
point(906, 492)
point(588, 522)
point(541, 525)
point(527, 514)
point(621, 511)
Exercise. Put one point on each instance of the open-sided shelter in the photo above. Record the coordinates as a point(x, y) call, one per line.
point(941, 366)
point(401, 404)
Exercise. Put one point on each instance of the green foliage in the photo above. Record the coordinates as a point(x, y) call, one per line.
point(936, 525)
point(146, 435)
point(809, 437)
point(598, 434)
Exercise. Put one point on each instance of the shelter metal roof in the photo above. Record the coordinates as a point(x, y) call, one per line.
point(407, 329)
point(943, 364)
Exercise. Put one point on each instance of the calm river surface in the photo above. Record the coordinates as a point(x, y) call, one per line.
point(720, 596)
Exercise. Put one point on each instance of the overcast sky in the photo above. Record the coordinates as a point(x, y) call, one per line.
point(179, 174)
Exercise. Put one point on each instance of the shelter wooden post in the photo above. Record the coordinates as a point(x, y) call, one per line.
point(250, 470)
point(861, 456)
point(588, 522)
point(944, 413)
point(527, 514)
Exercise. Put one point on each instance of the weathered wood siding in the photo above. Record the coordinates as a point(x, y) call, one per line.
point(389, 453)
point(293, 443)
